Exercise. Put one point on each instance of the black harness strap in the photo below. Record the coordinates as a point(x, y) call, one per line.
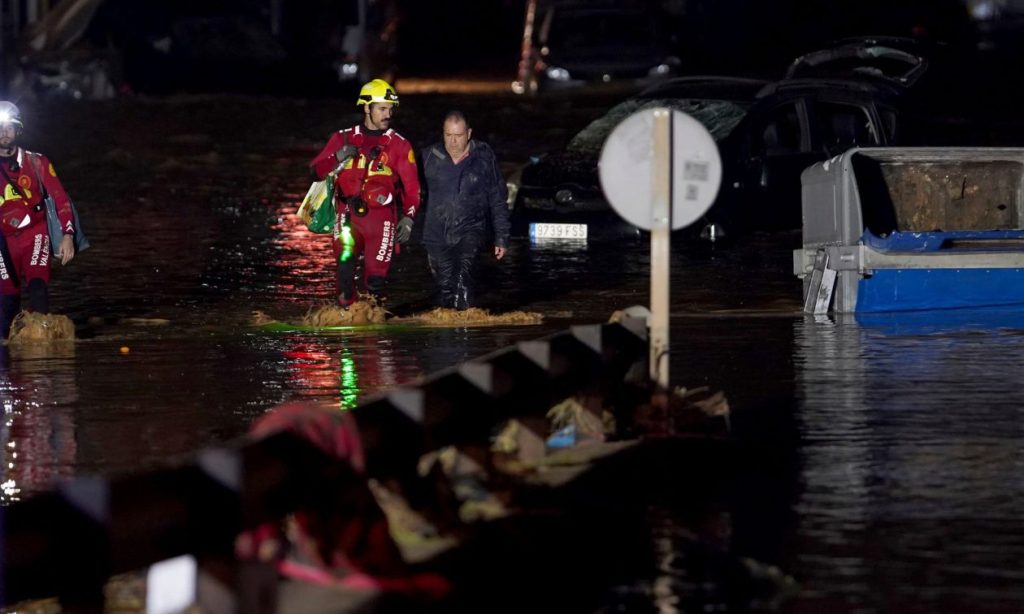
point(14, 185)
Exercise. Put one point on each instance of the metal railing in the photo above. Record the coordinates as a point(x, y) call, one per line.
point(69, 542)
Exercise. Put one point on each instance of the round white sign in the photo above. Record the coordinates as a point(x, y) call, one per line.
point(626, 169)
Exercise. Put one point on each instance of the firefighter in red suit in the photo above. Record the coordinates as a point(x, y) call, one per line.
point(25, 180)
point(377, 192)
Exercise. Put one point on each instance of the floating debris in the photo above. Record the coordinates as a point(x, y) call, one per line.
point(32, 327)
point(42, 606)
point(369, 311)
point(260, 318)
point(472, 316)
point(365, 311)
point(147, 321)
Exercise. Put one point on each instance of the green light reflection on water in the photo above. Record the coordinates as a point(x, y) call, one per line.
point(349, 381)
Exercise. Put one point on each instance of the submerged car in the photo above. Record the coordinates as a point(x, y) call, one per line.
point(582, 43)
point(767, 134)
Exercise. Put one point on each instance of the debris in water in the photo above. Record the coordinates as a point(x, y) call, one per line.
point(472, 316)
point(260, 318)
point(365, 311)
point(147, 321)
point(368, 311)
point(30, 327)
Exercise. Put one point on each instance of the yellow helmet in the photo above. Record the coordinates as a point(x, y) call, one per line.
point(377, 90)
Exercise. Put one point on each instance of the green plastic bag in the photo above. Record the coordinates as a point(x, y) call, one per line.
point(317, 208)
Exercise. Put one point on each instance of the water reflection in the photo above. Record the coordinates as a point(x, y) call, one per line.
point(302, 257)
point(946, 322)
point(38, 393)
point(345, 368)
point(911, 427)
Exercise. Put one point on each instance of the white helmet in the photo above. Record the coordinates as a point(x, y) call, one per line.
point(10, 114)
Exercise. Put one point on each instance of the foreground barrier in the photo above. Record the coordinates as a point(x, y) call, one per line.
point(69, 542)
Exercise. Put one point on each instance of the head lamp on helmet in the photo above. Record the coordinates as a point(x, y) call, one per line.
point(10, 114)
point(377, 90)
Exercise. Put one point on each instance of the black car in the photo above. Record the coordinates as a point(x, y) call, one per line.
point(767, 134)
point(899, 61)
point(947, 93)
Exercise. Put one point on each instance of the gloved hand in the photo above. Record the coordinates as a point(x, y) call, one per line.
point(345, 153)
point(404, 229)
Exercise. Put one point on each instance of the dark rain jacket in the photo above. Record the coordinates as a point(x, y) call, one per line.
point(461, 197)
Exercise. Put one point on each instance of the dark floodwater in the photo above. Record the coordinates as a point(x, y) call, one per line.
point(884, 460)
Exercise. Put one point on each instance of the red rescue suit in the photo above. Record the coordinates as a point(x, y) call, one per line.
point(371, 188)
point(23, 219)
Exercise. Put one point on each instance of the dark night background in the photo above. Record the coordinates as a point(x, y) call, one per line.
point(446, 37)
point(737, 36)
point(474, 39)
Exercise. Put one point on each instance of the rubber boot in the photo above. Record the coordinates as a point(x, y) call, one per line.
point(346, 282)
point(463, 299)
point(10, 305)
point(38, 296)
point(464, 265)
point(377, 285)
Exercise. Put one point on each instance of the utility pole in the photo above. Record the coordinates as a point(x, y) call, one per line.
point(526, 82)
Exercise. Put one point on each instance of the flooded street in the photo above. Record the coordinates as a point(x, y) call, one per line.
point(883, 460)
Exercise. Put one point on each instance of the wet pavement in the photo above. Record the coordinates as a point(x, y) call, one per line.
point(880, 460)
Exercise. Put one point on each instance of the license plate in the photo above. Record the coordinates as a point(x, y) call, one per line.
point(558, 231)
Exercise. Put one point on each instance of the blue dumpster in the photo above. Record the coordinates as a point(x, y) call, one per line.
point(899, 229)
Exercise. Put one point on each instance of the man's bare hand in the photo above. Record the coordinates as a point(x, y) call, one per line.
point(66, 251)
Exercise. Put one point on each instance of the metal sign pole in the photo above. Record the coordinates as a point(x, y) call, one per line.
point(660, 171)
point(661, 238)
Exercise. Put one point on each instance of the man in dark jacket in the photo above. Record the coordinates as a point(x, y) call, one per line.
point(465, 190)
